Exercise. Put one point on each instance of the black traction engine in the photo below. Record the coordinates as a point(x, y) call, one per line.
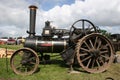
point(82, 44)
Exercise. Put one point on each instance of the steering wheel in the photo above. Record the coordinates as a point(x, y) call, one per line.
point(81, 28)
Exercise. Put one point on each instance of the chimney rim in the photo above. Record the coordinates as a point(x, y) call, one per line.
point(33, 7)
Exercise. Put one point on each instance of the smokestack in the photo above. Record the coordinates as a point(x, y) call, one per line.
point(31, 31)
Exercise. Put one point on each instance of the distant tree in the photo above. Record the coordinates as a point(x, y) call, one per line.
point(105, 33)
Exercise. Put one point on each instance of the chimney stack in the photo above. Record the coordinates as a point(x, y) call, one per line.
point(31, 31)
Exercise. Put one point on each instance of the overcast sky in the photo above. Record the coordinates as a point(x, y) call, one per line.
point(14, 14)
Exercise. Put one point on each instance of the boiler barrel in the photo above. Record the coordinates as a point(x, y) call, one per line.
point(46, 46)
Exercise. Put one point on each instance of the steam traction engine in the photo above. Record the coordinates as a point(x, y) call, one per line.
point(82, 44)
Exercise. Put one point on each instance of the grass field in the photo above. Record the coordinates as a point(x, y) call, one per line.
point(56, 71)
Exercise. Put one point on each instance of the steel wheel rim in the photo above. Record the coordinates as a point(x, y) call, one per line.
point(94, 60)
point(29, 68)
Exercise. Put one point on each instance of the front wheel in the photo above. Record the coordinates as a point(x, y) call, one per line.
point(24, 61)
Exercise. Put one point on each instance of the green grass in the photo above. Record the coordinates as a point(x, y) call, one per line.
point(14, 47)
point(57, 70)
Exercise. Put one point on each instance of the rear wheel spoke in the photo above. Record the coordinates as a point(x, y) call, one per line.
point(102, 61)
point(99, 44)
point(96, 40)
point(103, 52)
point(88, 63)
point(87, 45)
point(91, 44)
point(83, 54)
point(86, 58)
point(104, 46)
point(93, 62)
point(97, 63)
point(85, 49)
point(105, 57)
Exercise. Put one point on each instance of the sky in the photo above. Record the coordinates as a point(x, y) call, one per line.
point(14, 15)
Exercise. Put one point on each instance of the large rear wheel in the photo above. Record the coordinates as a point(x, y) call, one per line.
point(94, 53)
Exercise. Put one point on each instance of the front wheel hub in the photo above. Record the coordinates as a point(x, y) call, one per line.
point(24, 62)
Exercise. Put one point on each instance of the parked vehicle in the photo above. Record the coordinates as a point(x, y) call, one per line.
point(11, 41)
point(20, 40)
point(3, 40)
